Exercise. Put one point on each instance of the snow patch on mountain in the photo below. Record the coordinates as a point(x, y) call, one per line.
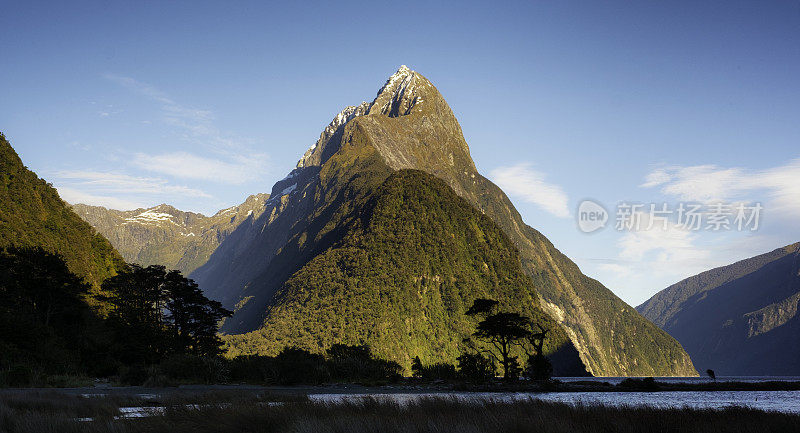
point(401, 95)
point(150, 217)
point(289, 189)
point(340, 119)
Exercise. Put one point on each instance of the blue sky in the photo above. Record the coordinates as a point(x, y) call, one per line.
point(199, 104)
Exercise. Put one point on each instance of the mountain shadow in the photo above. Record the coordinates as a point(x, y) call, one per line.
point(740, 319)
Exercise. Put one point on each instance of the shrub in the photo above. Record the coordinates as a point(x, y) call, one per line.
point(251, 369)
point(644, 384)
point(295, 365)
point(349, 363)
point(135, 374)
point(19, 376)
point(438, 371)
point(539, 368)
point(474, 367)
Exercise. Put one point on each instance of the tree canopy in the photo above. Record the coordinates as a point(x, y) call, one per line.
point(503, 331)
point(158, 312)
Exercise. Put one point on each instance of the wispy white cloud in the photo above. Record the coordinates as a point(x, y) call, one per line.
point(653, 256)
point(615, 268)
point(523, 181)
point(228, 160)
point(118, 191)
point(779, 186)
point(194, 123)
point(143, 88)
point(190, 166)
point(663, 244)
point(74, 196)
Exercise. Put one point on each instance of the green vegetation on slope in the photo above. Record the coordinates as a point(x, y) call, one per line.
point(401, 280)
point(33, 215)
point(410, 126)
point(612, 337)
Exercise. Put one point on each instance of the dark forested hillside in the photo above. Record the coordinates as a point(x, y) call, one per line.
point(413, 261)
point(739, 319)
point(33, 215)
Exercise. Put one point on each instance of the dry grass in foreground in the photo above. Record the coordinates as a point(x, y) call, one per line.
point(219, 413)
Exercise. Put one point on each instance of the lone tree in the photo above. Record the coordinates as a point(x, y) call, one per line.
point(502, 331)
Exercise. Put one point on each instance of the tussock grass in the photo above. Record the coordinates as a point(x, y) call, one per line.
point(230, 412)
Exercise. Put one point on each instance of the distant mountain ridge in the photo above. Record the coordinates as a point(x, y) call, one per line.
point(410, 126)
point(739, 319)
point(167, 236)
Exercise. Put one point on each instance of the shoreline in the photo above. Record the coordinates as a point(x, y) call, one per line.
point(585, 386)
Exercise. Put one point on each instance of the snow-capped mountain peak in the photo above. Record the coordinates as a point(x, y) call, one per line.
point(402, 94)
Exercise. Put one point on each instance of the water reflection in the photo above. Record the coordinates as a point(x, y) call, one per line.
point(780, 401)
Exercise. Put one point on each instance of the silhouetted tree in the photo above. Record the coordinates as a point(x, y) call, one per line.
point(294, 365)
point(137, 298)
point(358, 362)
point(503, 331)
point(156, 312)
point(538, 367)
point(416, 367)
point(537, 339)
point(36, 282)
point(43, 315)
point(435, 371)
point(193, 318)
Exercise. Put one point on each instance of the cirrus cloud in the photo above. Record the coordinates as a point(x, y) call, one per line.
point(530, 185)
point(238, 170)
point(778, 186)
point(117, 190)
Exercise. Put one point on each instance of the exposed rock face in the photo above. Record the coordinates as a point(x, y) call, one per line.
point(410, 126)
point(167, 236)
point(739, 319)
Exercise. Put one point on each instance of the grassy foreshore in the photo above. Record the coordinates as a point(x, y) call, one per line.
point(412, 385)
point(52, 411)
